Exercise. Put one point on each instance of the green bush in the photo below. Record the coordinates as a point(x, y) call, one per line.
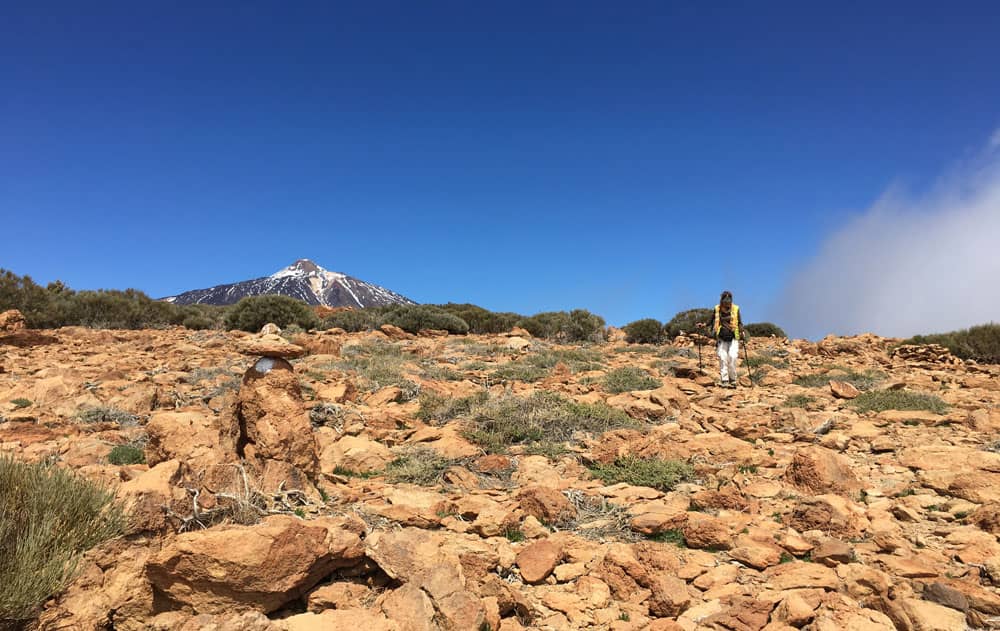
point(687, 322)
point(352, 321)
point(880, 400)
point(655, 473)
point(416, 318)
point(981, 343)
point(126, 454)
point(578, 325)
point(482, 321)
point(253, 312)
point(764, 329)
point(646, 331)
point(48, 518)
point(629, 379)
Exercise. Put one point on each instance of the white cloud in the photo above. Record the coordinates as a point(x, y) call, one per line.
point(907, 265)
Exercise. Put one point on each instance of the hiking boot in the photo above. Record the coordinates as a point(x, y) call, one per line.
point(723, 383)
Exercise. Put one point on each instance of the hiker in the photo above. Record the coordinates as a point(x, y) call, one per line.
point(727, 329)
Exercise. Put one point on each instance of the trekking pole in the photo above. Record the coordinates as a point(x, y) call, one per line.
point(746, 358)
point(698, 344)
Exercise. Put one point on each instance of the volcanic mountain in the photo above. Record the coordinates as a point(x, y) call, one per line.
point(303, 280)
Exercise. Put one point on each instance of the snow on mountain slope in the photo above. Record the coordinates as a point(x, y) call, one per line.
point(303, 280)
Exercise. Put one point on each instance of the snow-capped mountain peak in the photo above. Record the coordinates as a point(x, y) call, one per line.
point(305, 267)
point(303, 280)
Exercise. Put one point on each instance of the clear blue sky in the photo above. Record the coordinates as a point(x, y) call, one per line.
point(630, 158)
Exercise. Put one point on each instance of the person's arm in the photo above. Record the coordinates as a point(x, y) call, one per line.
point(711, 327)
point(739, 321)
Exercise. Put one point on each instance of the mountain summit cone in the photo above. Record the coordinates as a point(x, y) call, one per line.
point(303, 280)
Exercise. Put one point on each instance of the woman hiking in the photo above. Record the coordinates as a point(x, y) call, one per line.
point(727, 329)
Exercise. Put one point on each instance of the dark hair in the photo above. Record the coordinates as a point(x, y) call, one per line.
point(726, 295)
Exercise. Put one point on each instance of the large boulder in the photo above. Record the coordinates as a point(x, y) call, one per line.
point(420, 562)
point(193, 437)
point(821, 470)
point(262, 567)
point(273, 423)
point(12, 321)
point(356, 454)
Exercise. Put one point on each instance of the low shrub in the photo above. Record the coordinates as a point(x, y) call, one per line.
point(437, 407)
point(981, 343)
point(418, 465)
point(48, 518)
point(629, 379)
point(57, 305)
point(126, 454)
point(327, 414)
point(764, 329)
point(646, 331)
point(21, 403)
point(687, 322)
point(352, 320)
point(538, 421)
point(578, 325)
point(253, 312)
point(798, 401)
point(520, 371)
point(655, 473)
point(416, 318)
point(106, 414)
point(865, 380)
point(880, 400)
point(378, 364)
point(482, 321)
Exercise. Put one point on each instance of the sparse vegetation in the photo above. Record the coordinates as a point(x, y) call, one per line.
point(21, 403)
point(652, 472)
point(103, 414)
point(327, 414)
point(378, 364)
point(436, 407)
point(628, 379)
point(502, 422)
point(514, 535)
point(799, 401)
point(645, 331)
point(418, 465)
point(880, 400)
point(48, 518)
point(981, 343)
point(865, 380)
point(520, 371)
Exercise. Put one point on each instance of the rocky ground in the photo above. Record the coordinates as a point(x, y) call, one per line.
point(381, 481)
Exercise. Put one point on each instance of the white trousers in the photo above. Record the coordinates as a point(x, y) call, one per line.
point(729, 354)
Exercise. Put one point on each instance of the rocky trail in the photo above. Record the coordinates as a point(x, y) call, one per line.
point(387, 481)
